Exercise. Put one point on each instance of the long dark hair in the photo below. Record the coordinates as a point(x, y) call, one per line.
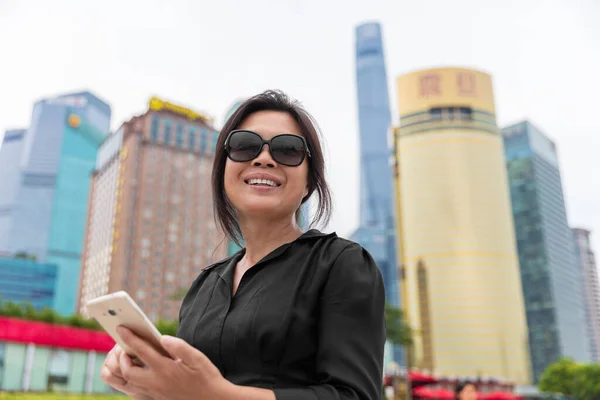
point(271, 100)
point(460, 387)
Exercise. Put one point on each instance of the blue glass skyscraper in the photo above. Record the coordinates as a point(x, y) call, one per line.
point(10, 177)
point(551, 278)
point(49, 209)
point(376, 231)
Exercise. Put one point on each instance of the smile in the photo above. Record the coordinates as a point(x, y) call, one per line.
point(261, 182)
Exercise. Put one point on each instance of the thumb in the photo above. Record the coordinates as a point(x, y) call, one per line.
point(180, 350)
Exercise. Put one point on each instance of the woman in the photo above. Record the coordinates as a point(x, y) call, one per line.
point(293, 315)
point(465, 391)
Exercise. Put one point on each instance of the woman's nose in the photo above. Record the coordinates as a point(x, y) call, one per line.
point(264, 158)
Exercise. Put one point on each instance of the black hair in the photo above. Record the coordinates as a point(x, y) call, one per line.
point(460, 387)
point(271, 100)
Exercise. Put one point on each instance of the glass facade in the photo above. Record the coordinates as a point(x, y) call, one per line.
point(551, 279)
point(23, 281)
point(57, 159)
point(586, 260)
point(377, 231)
point(10, 167)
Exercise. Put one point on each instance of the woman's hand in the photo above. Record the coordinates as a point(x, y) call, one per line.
point(112, 375)
point(189, 374)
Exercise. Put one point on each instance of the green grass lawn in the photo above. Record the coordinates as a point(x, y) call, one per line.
point(57, 396)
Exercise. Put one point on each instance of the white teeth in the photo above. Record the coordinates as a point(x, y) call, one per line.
point(262, 182)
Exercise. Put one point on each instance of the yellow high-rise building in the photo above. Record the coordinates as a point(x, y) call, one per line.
point(461, 284)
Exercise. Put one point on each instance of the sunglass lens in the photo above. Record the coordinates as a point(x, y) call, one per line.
point(244, 146)
point(288, 150)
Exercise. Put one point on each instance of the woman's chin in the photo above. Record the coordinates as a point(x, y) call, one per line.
point(262, 209)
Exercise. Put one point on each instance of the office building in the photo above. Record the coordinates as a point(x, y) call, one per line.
point(150, 226)
point(27, 281)
point(460, 273)
point(10, 177)
point(551, 279)
point(47, 216)
point(376, 231)
point(587, 263)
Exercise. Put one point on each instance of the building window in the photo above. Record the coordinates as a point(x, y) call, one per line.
point(203, 139)
point(466, 114)
point(192, 138)
point(154, 128)
point(436, 114)
point(179, 135)
point(167, 131)
point(58, 371)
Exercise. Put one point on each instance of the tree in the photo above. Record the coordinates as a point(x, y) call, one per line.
point(22, 255)
point(587, 382)
point(167, 327)
point(559, 377)
point(179, 294)
point(397, 330)
point(565, 376)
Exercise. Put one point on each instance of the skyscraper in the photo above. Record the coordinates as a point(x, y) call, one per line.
point(150, 225)
point(50, 205)
point(376, 231)
point(461, 285)
point(551, 279)
point(10, 177)
point(587, 262)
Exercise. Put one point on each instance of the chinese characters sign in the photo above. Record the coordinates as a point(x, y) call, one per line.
point(431, 84)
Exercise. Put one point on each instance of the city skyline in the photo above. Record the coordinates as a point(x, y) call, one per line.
point(516, 43)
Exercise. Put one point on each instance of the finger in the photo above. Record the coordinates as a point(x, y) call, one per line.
point(144, 351)
point(180, 350)
point(111, 379)
point(112, 363)
point(138, 376)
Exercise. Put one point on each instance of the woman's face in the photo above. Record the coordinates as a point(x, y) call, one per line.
point(468, 393)
point(252, 200)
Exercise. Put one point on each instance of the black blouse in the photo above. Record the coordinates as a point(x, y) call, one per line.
point(307, 321)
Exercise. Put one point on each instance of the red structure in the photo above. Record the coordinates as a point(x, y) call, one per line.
point(50, 335)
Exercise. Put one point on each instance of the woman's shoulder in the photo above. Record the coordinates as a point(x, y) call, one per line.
point(331, 242)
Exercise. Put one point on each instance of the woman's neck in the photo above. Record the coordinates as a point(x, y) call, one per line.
point(262, 237)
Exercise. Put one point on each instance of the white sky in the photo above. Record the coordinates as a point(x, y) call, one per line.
point(544, 56)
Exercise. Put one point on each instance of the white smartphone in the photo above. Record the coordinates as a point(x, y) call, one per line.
point(119, 309)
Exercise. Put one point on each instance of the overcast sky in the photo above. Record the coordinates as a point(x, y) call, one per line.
point(544, 56)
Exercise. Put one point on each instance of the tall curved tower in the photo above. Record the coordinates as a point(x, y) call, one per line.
point(461, 284)
point(377, 231)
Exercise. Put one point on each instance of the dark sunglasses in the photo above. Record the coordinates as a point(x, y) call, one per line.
point(286, 149)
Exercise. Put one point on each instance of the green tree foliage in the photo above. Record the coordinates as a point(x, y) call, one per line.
point(581, 381)
point(167, 327)
point(397, 330)
point(25, 256)
point(559, 377)
point(179, 294)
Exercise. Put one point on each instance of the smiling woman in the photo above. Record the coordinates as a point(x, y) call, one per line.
point(293, 315)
